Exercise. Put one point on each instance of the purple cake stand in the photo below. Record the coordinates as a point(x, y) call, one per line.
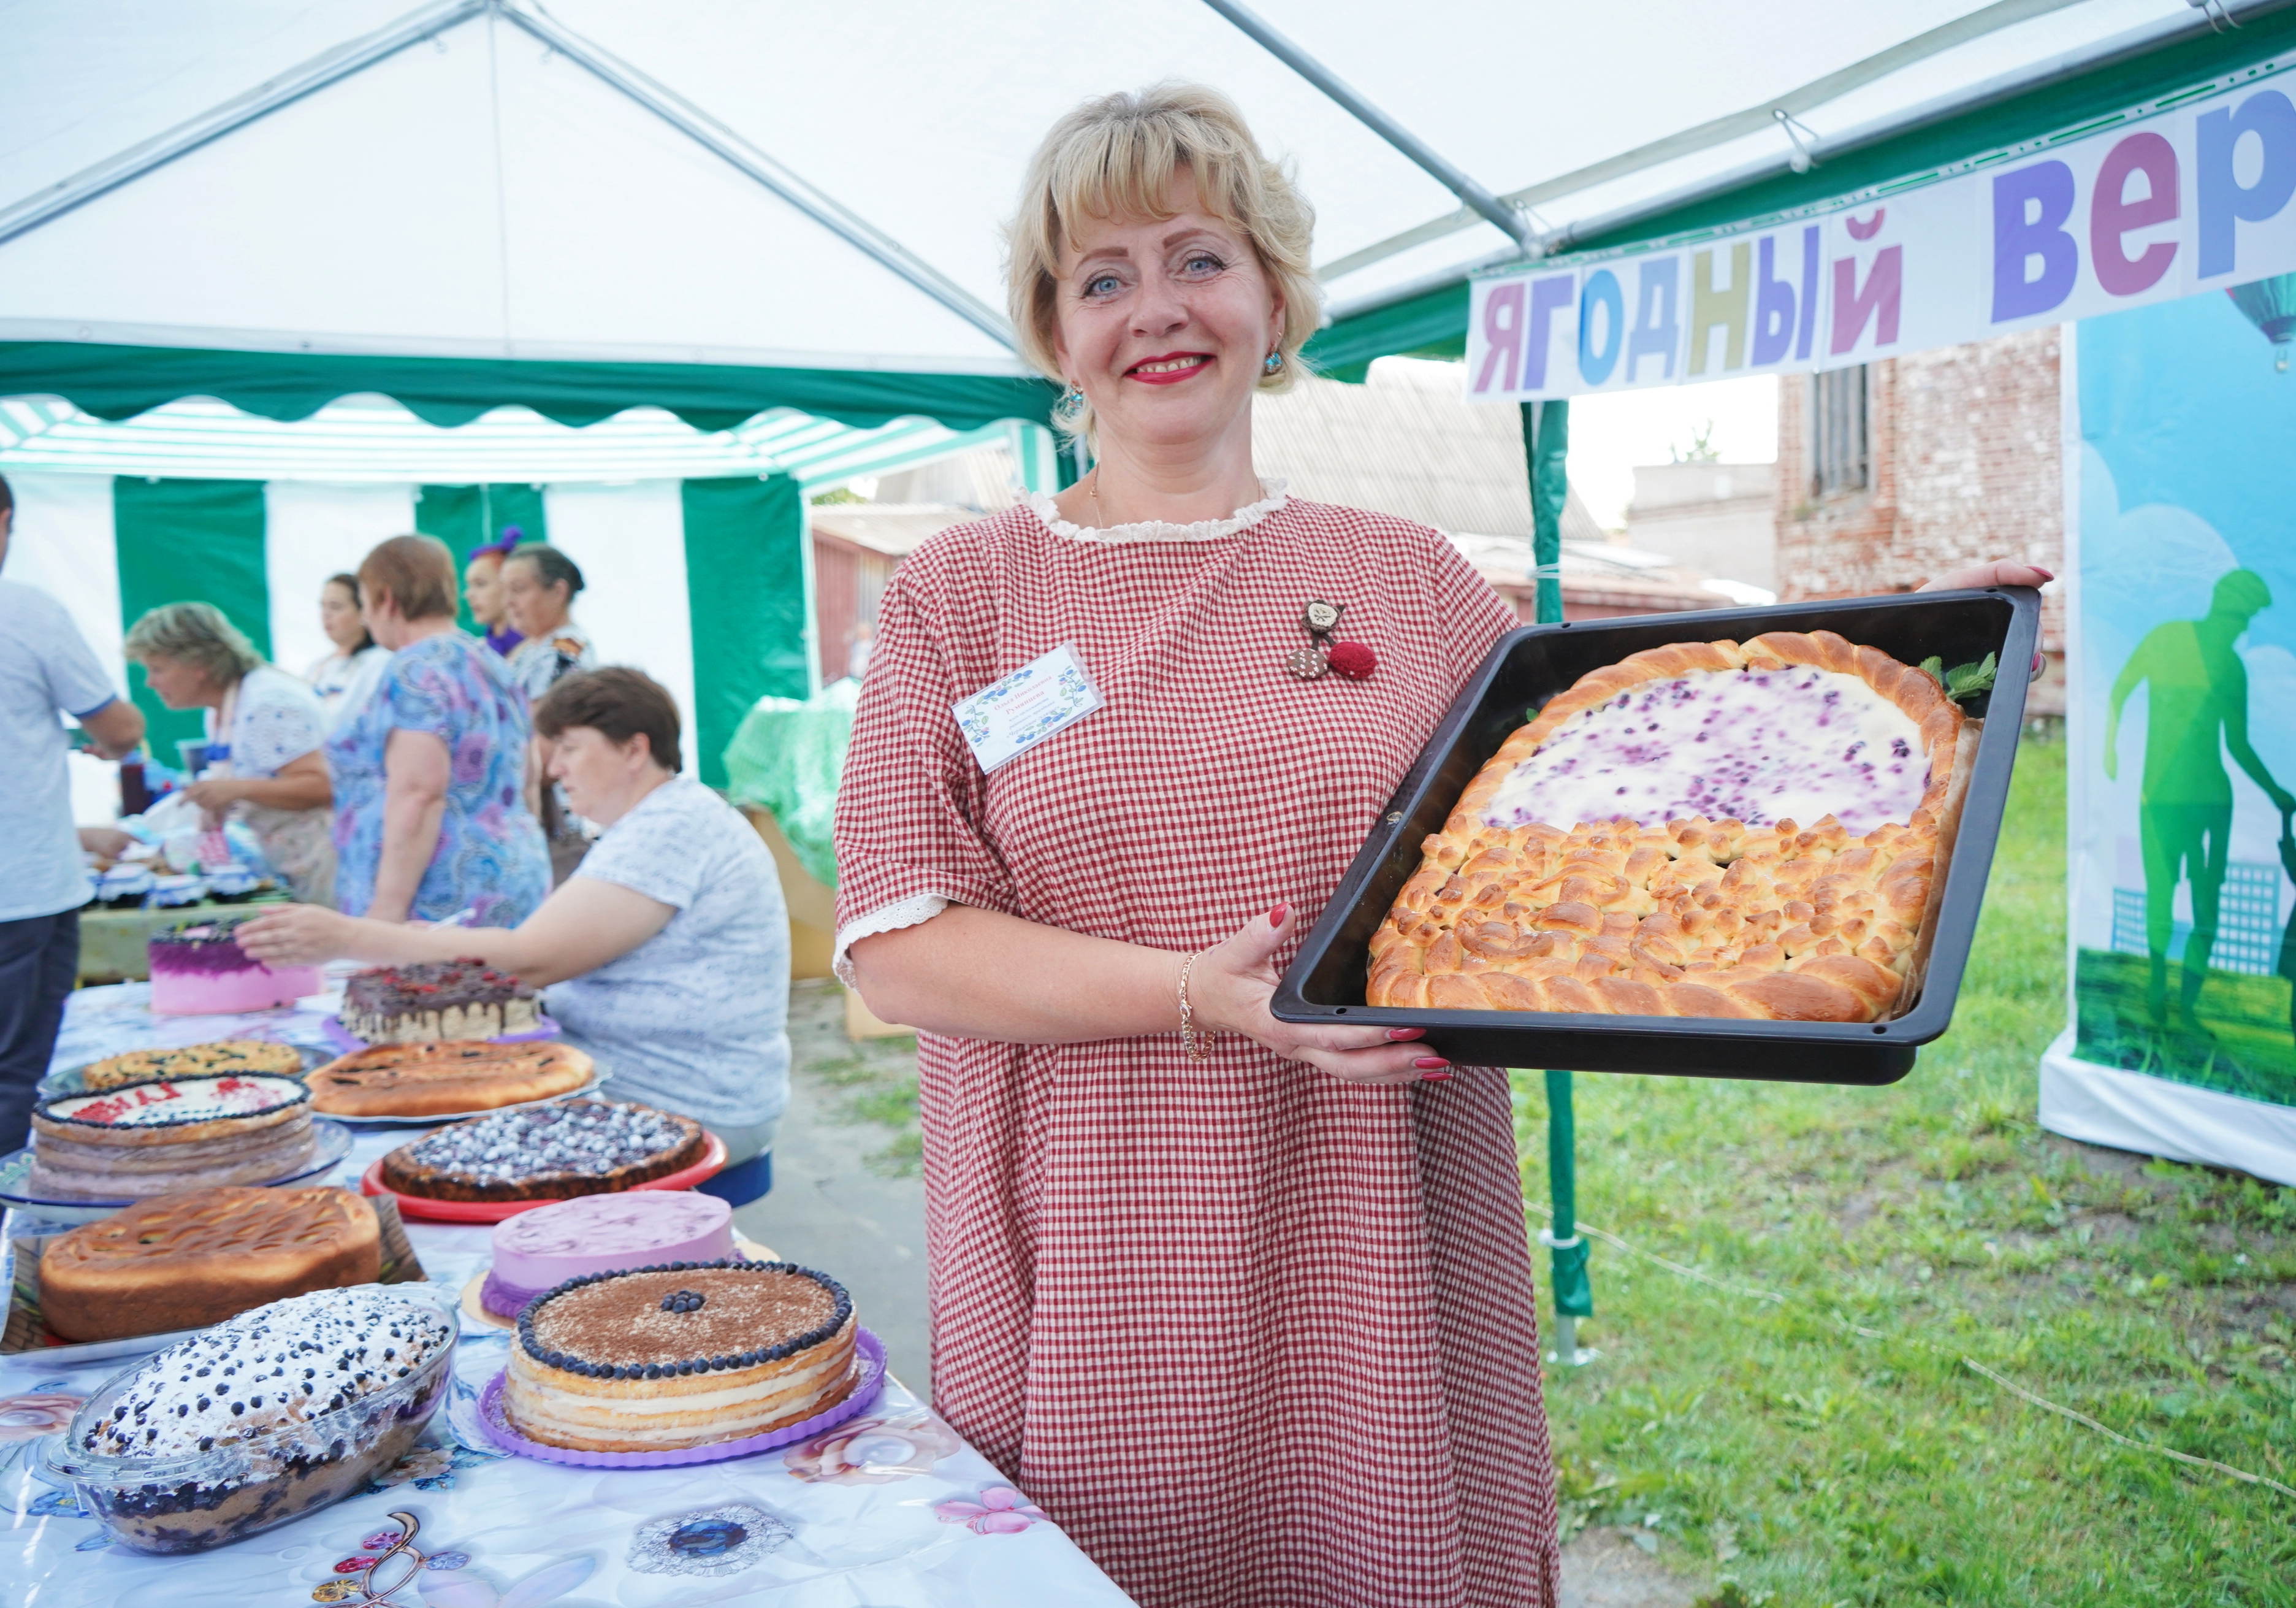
point(348, 1044)
point(866, 1348)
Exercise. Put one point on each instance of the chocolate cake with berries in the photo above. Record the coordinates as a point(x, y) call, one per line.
point(687, 1354)
point(547, 1153)
point(438, 999)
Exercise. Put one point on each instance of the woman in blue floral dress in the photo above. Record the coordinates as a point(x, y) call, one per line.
point(430, 817)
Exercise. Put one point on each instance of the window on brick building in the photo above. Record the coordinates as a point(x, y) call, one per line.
point(1838, 460)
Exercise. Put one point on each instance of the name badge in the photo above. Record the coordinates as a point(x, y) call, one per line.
point(1005, 719)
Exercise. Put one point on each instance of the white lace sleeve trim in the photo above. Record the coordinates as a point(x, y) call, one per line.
point(1157, 530)
point(885, 918)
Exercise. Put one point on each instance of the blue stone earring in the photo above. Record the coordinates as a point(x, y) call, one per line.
point(1275, 364)
point(1069, 405)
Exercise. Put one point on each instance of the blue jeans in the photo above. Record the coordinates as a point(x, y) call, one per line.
point(40, 958)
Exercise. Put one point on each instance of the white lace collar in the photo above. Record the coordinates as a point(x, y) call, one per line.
point(1272, 497)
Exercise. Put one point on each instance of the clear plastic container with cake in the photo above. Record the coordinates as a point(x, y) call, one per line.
point(198, 1500)
point(1328, 982)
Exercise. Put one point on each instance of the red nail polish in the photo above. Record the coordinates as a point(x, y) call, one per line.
point(1429, 1063)
point(1432, 1076)
point(1275, 917)
point(1405, 1035)
point(2045, 574)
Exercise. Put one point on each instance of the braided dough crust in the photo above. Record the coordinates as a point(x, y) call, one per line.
point(1695, 918)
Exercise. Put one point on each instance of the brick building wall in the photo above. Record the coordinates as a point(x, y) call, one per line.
point(1965, 464)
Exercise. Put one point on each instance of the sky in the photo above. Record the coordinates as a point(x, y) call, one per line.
point(1611, 434)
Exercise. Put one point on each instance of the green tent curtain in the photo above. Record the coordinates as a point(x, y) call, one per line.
point(120, 382)
point(745, 584)
point(468, 517)
point(189, 541)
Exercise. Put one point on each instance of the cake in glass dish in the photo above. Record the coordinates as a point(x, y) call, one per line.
point(1703, 829)
point(193, 1060)
point(169, 1134)
point(536, 1251)
point(198, 970)
point(196, 1258)
point(261, 1419)
point(661, 1358)
point(435, 1000)
point(547, 1153)
point(448, 1079)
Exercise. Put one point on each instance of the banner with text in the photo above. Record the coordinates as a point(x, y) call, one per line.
point(2199, 198)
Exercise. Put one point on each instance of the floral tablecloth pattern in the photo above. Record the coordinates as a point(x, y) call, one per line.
point(888, 1510)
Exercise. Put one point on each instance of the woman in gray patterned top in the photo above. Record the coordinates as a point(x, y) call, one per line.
point(666, 955)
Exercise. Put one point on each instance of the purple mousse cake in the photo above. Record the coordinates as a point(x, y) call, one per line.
point(198, 970)
point(536, 1251)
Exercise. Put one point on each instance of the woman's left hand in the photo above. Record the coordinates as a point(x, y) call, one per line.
point(2000, 572)
point(296, 935)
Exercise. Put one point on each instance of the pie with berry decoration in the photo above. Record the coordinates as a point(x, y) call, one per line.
point(1640, 848)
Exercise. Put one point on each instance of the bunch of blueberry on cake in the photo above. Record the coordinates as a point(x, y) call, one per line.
point(438, 999)
point(547, 1153)
point(684, 1355)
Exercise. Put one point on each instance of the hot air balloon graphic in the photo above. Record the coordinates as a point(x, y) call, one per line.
point(2270, 305)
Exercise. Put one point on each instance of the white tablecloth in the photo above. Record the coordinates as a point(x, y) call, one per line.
point(890, 1510)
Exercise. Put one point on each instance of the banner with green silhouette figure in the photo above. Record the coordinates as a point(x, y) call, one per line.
point(2181, 735)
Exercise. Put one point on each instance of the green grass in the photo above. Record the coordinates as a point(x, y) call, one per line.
point(872, 1081)
point(1811, 1464)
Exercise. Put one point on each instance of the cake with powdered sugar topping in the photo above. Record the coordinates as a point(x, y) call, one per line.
point(284, 1364)
point(576, 1147)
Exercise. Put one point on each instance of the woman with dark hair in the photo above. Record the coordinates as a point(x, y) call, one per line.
point(341, 679)
point(539, 585)
point(264, 729)
point(667, 955)
point(482, 590)
point(430, 769)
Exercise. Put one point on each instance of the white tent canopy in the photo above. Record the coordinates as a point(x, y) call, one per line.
point(817, 186)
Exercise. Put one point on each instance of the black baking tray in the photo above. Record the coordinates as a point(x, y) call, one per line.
point(1325, 983)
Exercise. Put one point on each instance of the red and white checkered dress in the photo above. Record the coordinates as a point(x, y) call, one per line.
point(1254, 1336)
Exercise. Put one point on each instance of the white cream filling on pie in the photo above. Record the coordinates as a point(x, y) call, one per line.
point(1758, 746)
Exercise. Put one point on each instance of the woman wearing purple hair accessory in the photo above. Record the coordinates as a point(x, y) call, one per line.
point(482, 590)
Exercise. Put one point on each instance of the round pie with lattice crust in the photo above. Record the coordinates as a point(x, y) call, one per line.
point(1635, 850)
point(187, 1260)
point(445, 1078)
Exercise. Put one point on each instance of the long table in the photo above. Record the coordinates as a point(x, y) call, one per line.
point(890, 1510)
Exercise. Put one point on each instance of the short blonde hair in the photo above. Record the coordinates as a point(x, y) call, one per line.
point(1116, 157)
point(195, 634)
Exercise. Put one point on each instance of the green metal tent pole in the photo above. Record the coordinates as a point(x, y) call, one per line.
point(1546, 443)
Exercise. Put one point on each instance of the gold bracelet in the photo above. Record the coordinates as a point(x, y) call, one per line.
point(1196, 1045)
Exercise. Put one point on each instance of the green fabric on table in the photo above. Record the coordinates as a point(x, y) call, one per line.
point(745, 587)
point(785, 760)
point(112, 943)
point(189, 541)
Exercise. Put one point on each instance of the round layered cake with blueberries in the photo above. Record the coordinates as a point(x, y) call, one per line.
point(167, 1134)
point(547, 1153)
point(690, 1354)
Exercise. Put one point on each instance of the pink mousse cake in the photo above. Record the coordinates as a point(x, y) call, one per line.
point(200, 969)
point(536, 1251)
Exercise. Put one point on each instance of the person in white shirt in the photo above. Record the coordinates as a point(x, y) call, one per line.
point(266, 762)
point(45, 670)
point(343, 678)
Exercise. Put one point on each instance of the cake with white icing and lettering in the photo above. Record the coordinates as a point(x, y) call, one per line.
point(166, 1134)
point(1639, 848)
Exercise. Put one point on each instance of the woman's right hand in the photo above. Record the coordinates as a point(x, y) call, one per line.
point(1233, 982)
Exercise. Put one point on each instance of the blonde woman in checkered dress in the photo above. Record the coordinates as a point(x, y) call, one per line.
point(1255, 1328)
